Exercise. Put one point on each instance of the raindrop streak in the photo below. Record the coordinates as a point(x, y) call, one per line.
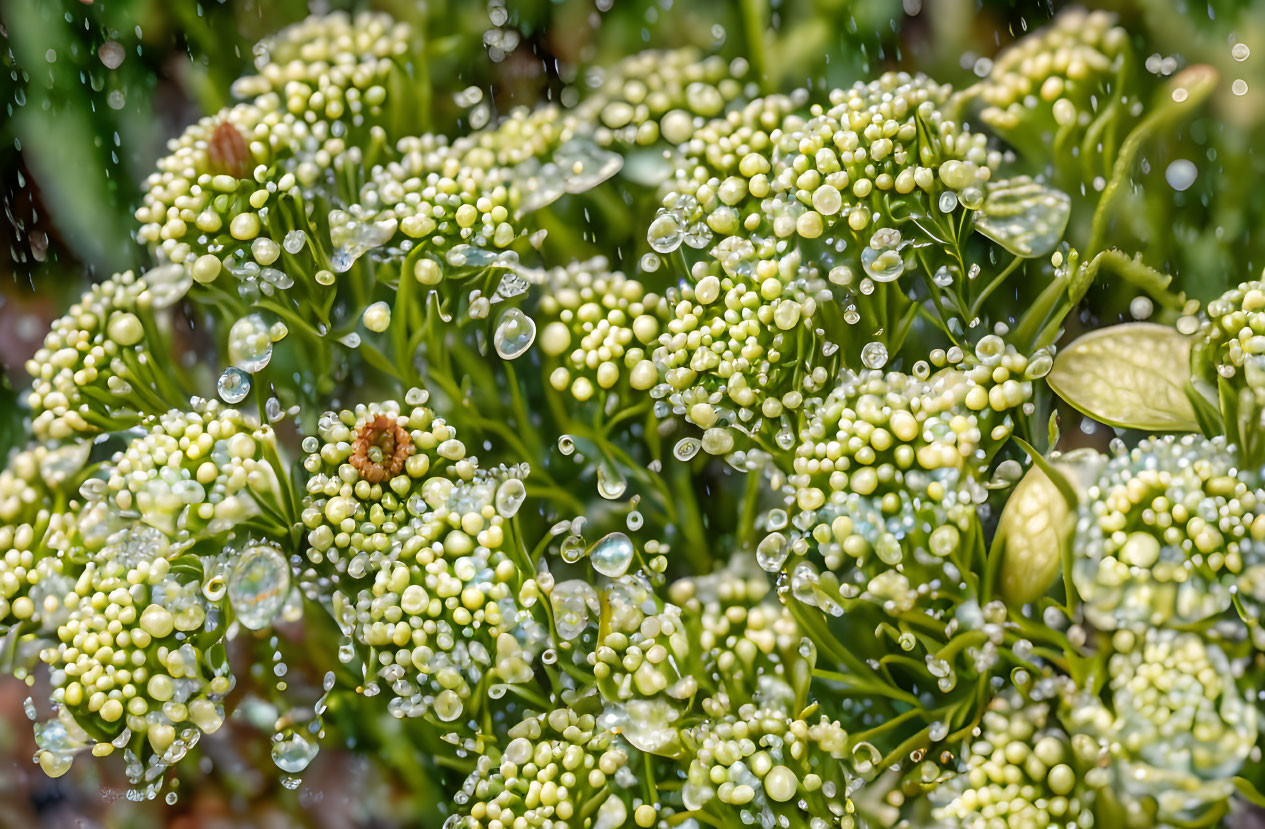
point(612, 555)
point(515, 332)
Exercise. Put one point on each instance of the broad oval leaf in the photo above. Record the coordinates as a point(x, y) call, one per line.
point(1037, 524)
point(1132, 376)
point(1024, 216)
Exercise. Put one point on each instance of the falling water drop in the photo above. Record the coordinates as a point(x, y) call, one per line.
point(292, 752)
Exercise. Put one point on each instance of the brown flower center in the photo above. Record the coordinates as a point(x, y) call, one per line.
point(381, 447)
point(227, 152)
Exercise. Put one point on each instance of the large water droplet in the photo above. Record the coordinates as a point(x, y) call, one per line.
point(293, 752)
point(258, 586)
point(612, 555)
point(515, 332)
point(233, 385)
point(881, 258)
point(664, 234)
point(874, 355)
point(250, 343)
point(510, 496)
point(610, 482)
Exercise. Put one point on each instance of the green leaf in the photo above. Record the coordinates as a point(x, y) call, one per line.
point(1132, 376)
point(1023, 216)
point(1249, 791)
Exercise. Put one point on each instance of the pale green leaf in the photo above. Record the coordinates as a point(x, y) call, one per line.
point(1024, 216)
point(1132, 375)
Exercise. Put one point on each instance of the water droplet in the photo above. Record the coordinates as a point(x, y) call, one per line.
point(566, 445)
point(664, 234)
point(948, 201)
point(772, 552)
point(650, 263)
point(874, 355)
point(171, 798)
point(1141, 308)
point(515, 332)
point(881, 258)
point(943, 277)
point(686, 448)
point(1240, 51)
point(168, 284)
point(112, 54)
point(294, 241)
point(233, 385)
point(610, 483)
point(612, 555)
point(292, 752)
point(1181, 174)
point(635, 520)
point(510, 495)
point(258, 586)
point(250, 343)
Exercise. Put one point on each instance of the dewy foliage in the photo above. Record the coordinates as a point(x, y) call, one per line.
point(657, 459)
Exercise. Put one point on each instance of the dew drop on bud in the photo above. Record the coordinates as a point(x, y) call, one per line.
point(686, 448)
point(664, 234)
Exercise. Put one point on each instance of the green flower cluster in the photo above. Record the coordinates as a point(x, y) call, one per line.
point(868, 614)
point(1022, 770)
point(1056, 78)
point(1168, 533)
